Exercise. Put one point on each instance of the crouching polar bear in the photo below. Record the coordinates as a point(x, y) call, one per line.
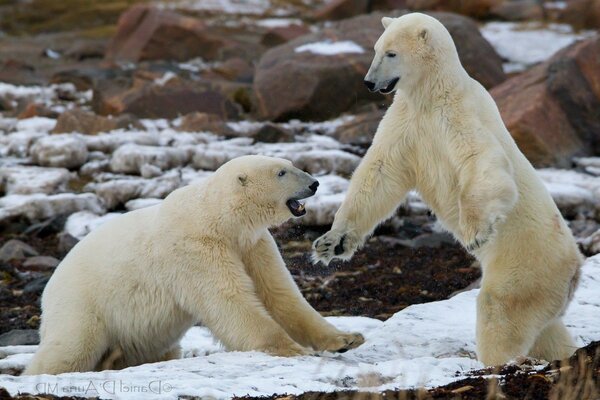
point(444, 137)
point(127, 293)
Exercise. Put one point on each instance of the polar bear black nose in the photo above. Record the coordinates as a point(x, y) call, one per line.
point(313, 186)
point(370, 85)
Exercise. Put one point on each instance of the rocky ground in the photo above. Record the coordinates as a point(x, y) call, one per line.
point(109, 105)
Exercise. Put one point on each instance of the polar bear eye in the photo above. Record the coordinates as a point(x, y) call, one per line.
point(281, 173)
point(390, 55)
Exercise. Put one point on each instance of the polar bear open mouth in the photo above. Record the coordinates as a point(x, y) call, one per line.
point(296, 208)
point(390, 87)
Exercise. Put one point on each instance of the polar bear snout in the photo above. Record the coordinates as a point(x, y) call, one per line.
point(313, 186)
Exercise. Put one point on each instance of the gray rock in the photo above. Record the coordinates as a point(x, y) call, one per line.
point(41, 263)
point(37, 285)
point(20, 337)
point(16, 250)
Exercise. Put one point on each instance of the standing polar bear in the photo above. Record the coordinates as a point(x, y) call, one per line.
point(444, 137)
point(127, 293)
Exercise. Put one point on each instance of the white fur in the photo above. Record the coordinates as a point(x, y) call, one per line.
point(126, 293)
point(444, 137)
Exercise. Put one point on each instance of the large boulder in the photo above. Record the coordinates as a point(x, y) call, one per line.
point(319, 75)
point(148, 33)
point(553, 110)
point(145, 97)
point(472, 8)
point(81, 121)
point(580, 13)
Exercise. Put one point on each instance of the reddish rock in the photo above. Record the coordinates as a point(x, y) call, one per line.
point(86, 122)
point(522, 10)
point(341, 9)
point(235, 69)
point(148, 33)
point(552, 109)
point(582, 14)
point(145, 98)
point(291, 84)
point(471, 8)
point(360, 129)
point(36, 110)
point(200, 122)
point(388, 4)
point(282, 34)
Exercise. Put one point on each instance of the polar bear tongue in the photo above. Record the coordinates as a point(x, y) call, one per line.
point(296, 207)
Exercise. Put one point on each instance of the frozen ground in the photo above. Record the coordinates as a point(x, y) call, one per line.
point(424, 345)
point(523, 44)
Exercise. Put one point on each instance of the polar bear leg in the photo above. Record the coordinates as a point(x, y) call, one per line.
point(553, 343)
point(285, 303)
point(229, 306)
point(506, 326)
point(75, 347)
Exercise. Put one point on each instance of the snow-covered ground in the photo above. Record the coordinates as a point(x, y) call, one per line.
point(423, 345)
point(523, 44)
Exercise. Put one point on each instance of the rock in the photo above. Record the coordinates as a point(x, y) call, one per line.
point(328, 67)
point(522, 10)
point(149, 33)
point(16, 250)
point(360, 129)
point(85, 49)
point(66, 242)
point(64, 150)
point(582, 14)
point(272, 133)
point(317, 162)
point(388, 4)
point(282, 34)
point(37, 110)
point(20, 337)
point(551, 110)
point(341, 9)
point(150, 99)
point(86, 122)
point(235, 69)
point(203, 122)
point(40, 263)
point(40, 206)
point(37, 285)
point(130, 158)
point(591, 244)
point(29, 180)
point(471, 8)
point(120, 189)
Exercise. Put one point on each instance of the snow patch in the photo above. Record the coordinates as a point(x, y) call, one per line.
point(425, 345)
point(329, 48)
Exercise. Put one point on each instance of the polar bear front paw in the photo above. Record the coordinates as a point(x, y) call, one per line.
point(334, 244)
point(480, 237)
point(342, 342)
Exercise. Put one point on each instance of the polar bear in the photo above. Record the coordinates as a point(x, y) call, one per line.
point(443, 136)
point(127, 293)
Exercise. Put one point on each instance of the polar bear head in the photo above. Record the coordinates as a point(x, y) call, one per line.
point(412, 47)
point(267, 190)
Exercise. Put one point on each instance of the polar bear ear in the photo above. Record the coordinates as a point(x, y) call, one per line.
point(243, 179)
point(386, 21)
point(424, 34)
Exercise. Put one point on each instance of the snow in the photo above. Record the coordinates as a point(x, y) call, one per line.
point(329, 48)
point(39, 206)
point(571, 190)
point(240, 7)
point(81, 223)
point(29, 180)
point(523, 44)
point(278, 22)
point(423, 345)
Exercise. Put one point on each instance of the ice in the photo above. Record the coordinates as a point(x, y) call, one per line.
point(65, 150)
point(116, 190)
point(426, 345)
point(130, 158)
point(39, 206)
point(81, 223)
point(29, 180)
point(523, 44)
point(330, 48)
